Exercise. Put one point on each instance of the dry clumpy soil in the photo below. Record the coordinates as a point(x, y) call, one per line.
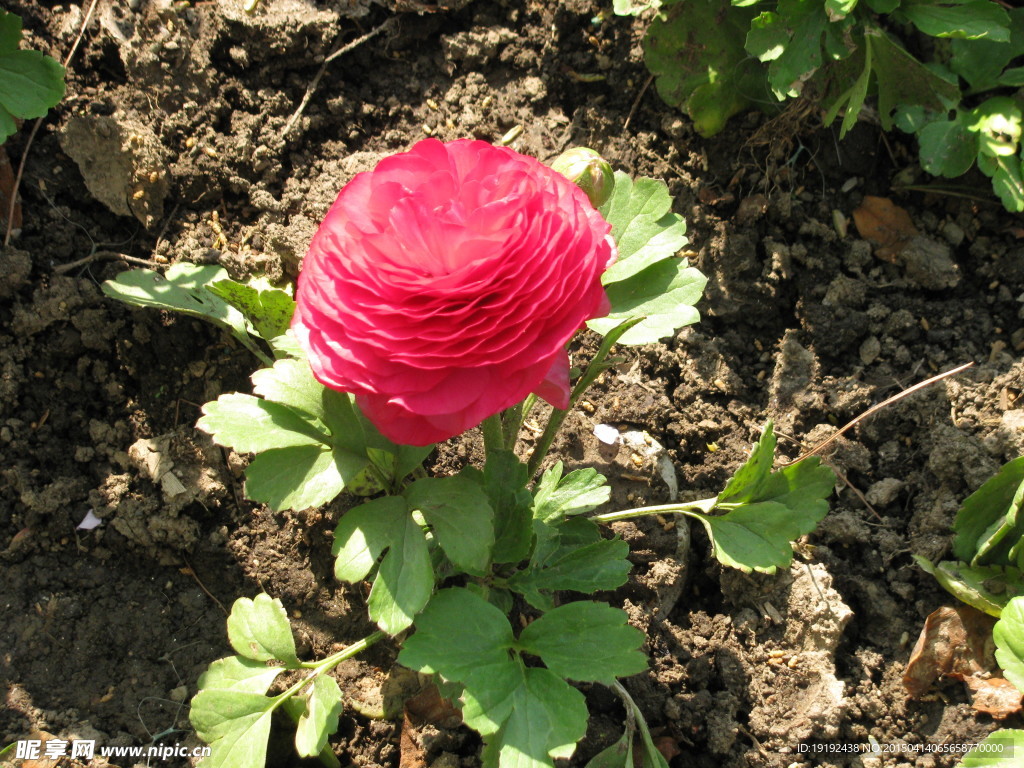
point(171, 145)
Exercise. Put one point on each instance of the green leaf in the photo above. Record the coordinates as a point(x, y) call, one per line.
point(792, 38)
point(1000, 749)
point(643, 225)
point(290, 382)
point(184, 287)
point(618, 755)
point(1008, 634)
point(556, 498)
point(985, 587)
point(364, 533)
point(252, 425)
point(664, 294)
point(460, 514)
point(1007, 175)
point(320, 716)
point(839, 9)
point(947, 147)
point(464, 638)
point(483, 637)
point(405, 578)
point(969, 19)
point(504, 480)
point(30, 82)
point(853, 98)
point(548, 717)
point(903, 80)
point(695, 51)
point(236, 673)
point(258, 629)
point(586, 641)
point(267, 309)
point(598, 566)
point(997, 122)
point(756, 535)
point(988, 516)
point(746, 483)
point(981, 62)
point(236, 725)
point(300, 477)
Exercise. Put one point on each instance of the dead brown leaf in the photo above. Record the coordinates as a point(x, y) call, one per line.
point(995, 696)
point(887, 226)
point(954, 642)
point(411, 752)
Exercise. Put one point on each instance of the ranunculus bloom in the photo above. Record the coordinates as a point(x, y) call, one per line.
point(443, 286)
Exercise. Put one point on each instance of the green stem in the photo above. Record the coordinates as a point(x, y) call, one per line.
point(691, 508)
point(494, 438)
point(318, 668)
point(512, 422)
point(596, 368)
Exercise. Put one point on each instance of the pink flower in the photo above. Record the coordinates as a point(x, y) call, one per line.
point(443, 285)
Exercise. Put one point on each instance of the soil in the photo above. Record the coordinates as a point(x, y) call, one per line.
point(172, 145)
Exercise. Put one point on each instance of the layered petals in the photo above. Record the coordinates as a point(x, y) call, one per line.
point(443, 285)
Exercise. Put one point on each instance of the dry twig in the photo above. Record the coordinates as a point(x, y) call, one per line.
point(879, 406)
point(311, 88)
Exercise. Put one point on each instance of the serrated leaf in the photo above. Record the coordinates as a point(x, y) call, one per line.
point(477, 655)
point(290, 382)
point(300, 477)
point(746, 482)
point(235, 724)
point(985, 587)
point(1000, 749)
point(663, 294)
point(757, 535)
point(586, 641)
point(965, 19)
point(697, 45)
point(903, 80)
point(993, 507)
point(1007, 174)
point(1008, 634)
point(404, 580)
point(548, 717)
point(554, 542)
point(557, 497)
point(267, 309)
point(258, 629)
point(364, 533)
point(236, 673)
point(252, 425)
point(460, 514)
point(599, 566)
point(320, 716)
point(643, 225)
point(483, 639)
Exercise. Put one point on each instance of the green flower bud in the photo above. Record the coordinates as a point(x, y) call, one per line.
point(587, 170)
